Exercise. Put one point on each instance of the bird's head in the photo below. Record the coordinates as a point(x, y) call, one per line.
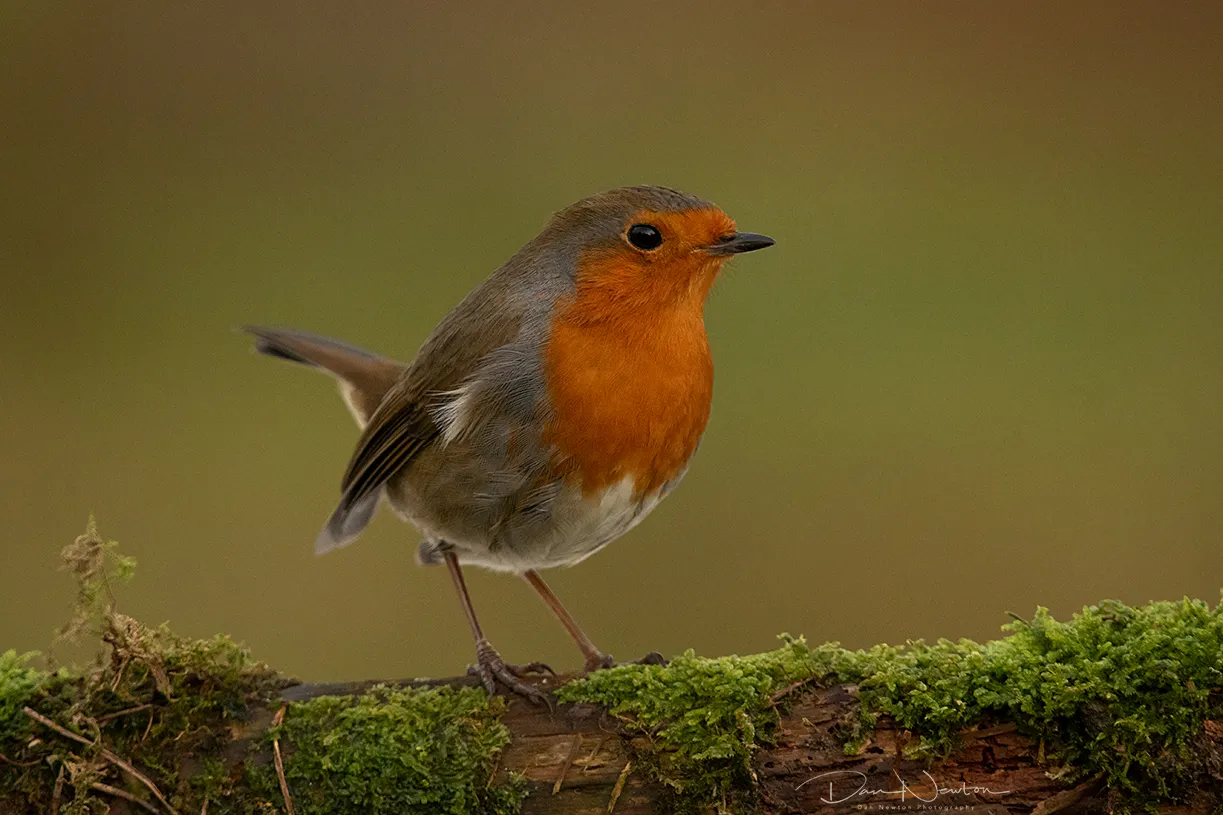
point(645, 248)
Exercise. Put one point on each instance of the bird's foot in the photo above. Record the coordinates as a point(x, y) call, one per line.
point(599, 661)
point(491, 669)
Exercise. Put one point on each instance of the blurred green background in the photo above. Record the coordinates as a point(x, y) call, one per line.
point(982, 370)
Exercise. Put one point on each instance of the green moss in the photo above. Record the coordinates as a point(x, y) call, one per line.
point(394, 751)
point(1118, 691)
point(160, 701)
point(18, 685)
point(704, 716)
point(197, 690)
point(173, 707)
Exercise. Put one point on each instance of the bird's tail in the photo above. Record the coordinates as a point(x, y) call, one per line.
point(364, 380)
point(364, 377)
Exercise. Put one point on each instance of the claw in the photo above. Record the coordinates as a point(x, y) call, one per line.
point(600, 661)
point(491, 669)
point(597, 662)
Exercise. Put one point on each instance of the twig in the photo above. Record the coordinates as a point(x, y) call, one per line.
point(63, 731)
point(106, 754)
point(58, 792)
point(277, 720)
point(986, 732)
point(598, 746)
point(619, 788)
point(125, 795)
point(492, 773)
point(573, 751)
point(117, 714)
point(147, 728)
point(786, 691)
point(119, 673)
point(8, 760)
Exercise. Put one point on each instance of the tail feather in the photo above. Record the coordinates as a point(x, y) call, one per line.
point(265, 345)
point(345, 525)
point(364, 377)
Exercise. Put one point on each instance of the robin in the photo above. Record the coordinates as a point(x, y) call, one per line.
point(551, 410)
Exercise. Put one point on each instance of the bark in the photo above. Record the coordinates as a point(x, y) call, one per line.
point(579, 760)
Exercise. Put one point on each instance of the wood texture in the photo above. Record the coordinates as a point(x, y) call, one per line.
point(580, 760)
point(573, 757)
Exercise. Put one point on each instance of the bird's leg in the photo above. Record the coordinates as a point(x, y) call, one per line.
point(490, 667)
point(595, 659)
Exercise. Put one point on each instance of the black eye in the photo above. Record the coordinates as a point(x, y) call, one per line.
point(644, 236)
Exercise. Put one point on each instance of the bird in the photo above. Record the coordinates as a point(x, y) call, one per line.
point(550, 411)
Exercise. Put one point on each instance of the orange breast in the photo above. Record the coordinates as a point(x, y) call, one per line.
point(630, 380)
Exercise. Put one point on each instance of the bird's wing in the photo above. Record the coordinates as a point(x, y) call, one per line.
point(405, 422)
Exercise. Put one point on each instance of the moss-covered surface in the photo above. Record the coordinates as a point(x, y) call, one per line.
point(179, 710)
point(706, 716)
point(18, 685)
point(1116, 692)
point(393, 751)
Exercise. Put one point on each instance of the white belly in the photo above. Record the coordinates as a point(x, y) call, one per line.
point(577, 527)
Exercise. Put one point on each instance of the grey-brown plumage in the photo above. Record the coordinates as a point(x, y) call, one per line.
point(484, 490)
point(456, 439)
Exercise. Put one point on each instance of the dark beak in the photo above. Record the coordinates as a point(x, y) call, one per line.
point(740, 242)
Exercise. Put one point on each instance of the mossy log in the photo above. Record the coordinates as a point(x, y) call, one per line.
point(576, 759)
point(516, 756)
point(1119, 709)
